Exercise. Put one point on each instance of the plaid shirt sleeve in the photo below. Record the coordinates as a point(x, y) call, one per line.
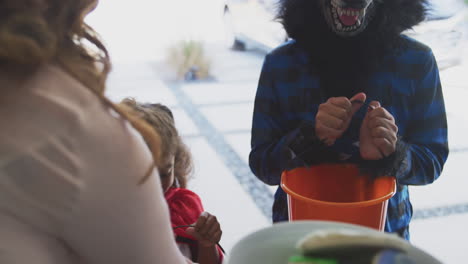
point(268, 155)
point(426, 137)
point(275, 146)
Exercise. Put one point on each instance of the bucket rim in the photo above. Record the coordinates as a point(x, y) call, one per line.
point(376, 201)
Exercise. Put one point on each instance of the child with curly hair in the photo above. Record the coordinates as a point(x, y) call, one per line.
point(197, 232)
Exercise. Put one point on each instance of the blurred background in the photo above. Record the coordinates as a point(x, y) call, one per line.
point(203, 59)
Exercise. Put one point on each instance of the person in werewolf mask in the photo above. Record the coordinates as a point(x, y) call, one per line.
point(351, 88)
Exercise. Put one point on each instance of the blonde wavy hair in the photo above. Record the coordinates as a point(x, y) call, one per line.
point(161, 119)
point(38, 32)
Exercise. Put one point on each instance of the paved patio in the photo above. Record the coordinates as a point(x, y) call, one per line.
point(215, 118)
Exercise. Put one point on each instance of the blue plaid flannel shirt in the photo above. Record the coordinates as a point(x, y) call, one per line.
point(407, 85)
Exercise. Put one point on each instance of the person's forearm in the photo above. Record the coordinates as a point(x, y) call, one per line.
point(411, 164)
point(267, 161)
point(424, 164)
point(300, 147)
point(208, 255)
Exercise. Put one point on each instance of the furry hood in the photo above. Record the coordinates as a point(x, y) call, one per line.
point(343, 63)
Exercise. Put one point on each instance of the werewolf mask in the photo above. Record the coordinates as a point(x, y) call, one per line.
point(346, 40)
point(347, 18)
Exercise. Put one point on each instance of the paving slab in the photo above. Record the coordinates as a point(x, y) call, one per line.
point(222, 195)
point(225, 118)
point(220, 93)
point(445, 238)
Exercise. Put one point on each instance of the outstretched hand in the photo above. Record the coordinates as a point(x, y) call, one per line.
point(206, 230)
point(378, 135)
point(334, 116)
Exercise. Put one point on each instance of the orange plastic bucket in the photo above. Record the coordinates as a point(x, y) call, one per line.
point(337, 192)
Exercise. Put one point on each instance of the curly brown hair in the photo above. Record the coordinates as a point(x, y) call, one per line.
point(160, 117)
point(39, 32)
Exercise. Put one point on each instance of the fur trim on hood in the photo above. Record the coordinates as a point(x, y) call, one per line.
point(345, 63)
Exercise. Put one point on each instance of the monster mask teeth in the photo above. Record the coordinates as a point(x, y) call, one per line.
point(341, 18)
point(335, 3)
point(362, 12)
point(339, 26)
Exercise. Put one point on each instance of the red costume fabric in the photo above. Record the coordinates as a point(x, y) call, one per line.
point(185, 207)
